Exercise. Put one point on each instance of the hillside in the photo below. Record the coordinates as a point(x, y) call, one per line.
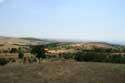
point(18, 41)
point(7, 43)
point(10, 47)
point(61, 64)
point(63, 72)
point(37, 41)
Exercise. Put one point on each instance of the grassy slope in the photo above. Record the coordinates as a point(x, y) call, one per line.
point(63, 72)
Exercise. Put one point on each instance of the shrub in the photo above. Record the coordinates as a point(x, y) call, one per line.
point(79, 56)
point(68, 55)
point(95, 57)
point(13, 50)
point(20, 55)
point(39, 51)
point(122, 60)
point(115, 59)
point(100, 58)
point(13, 60)
point(3, 61)
point(87, 56)
point(5, 51)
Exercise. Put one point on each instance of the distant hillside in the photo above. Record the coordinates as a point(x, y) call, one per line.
point(37, 41)
point(19, 41)
point(110, 44)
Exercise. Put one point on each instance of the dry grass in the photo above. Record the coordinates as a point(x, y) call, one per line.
point(18, 41)
point(63, 72)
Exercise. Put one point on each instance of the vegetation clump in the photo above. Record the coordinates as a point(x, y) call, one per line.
point(20, 53)
point(39, 51)
point(3, 61)
point(97, 57)
point(14, 50)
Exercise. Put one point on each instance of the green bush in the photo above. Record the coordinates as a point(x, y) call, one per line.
point(13, 50)
point(39, 51)
point(80, 56)
point(3, 61)
point(68, 55)
point(95, 57)
point(20, 53)
point(87, 56)
point(100, 58)
point(122, 60)
point(116, 59)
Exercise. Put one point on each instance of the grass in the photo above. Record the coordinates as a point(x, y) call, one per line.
point(63, 72)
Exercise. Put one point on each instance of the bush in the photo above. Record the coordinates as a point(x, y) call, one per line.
point(20, 55)
point(117, 59)
point(13, 50)
point(5, 51)
point(86, 56)
point(79, 56)
point(13, 60)
point(3, 61)
point(122, 60)
point(95, 57)
point(39, 51)
point(100, 58)
point(68, 56)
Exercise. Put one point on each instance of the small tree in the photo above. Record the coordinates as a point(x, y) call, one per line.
point(3, 61)
point(39, 51)
point(68, 55)
point(13, 50)
point(20, 53)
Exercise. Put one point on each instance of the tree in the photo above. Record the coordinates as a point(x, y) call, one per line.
point(90, 56)
point(3, 61)
point(20, 53)
point(13, 50)
point(39, 51)
point(68, 55)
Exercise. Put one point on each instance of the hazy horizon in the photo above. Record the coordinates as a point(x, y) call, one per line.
point(99, 20)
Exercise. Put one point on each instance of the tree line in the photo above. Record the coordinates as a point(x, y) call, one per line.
point(96, 55)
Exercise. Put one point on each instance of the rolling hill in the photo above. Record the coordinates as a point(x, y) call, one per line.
point(11, 41)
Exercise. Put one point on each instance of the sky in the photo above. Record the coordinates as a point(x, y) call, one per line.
point(100, 20)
